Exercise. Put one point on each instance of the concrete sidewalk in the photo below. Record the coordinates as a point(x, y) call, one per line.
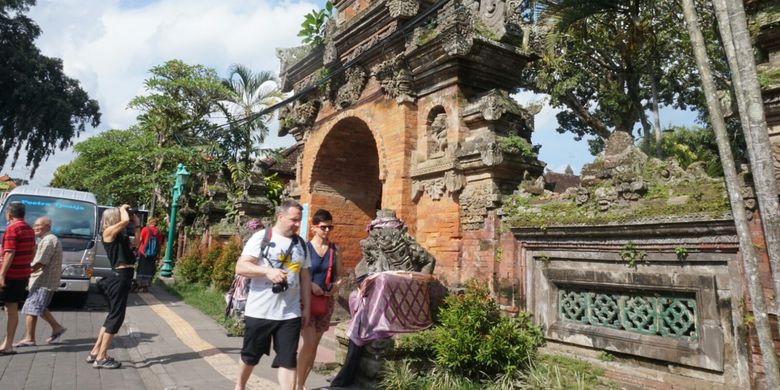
point(164, 344)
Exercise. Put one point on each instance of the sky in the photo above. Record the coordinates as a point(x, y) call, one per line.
point(109, 46)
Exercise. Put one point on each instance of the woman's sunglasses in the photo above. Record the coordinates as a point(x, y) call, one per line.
point(325, 227)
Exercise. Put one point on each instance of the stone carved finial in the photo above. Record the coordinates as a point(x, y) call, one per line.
point(402, 8)
point(457, 30)
point(389, 247)
point(330, 54)
point(300, 116)
point(437, 136)
point(355, 81)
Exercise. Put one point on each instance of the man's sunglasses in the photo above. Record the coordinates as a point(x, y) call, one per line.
point(325, 227)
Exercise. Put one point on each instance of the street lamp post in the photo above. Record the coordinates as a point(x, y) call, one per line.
point(178, 187)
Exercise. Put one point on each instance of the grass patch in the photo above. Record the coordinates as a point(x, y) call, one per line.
point(209, 301)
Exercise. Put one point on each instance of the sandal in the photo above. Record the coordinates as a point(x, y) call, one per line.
point(24, 343)
point(90, 358)
point(56, 335)
point(3, 353)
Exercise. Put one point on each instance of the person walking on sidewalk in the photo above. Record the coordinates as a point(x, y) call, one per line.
point(278, 301)
point(44, 281)
point(117, 286)
point(17, 255)
point(325, 265)
point(148, 249)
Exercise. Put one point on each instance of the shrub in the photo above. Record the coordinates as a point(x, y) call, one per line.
point(225, 266)
point(206, 267)
point(475, 341)
point(417, 347)
point(187, 267)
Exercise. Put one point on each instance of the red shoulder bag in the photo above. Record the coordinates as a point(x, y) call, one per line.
point(318, 304)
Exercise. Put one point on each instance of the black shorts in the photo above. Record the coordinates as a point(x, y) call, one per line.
point(257, 341)
point(15, 291)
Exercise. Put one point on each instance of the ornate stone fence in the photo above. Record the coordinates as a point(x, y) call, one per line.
point(664, 297)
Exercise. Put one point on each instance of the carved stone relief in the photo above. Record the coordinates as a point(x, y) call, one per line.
point(437, 136)
point(403, 8)
point(451, 183)
point(349, 93)
point(395, 78)
point(475, 202)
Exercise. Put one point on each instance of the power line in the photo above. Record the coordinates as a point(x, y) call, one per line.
point(390, 38)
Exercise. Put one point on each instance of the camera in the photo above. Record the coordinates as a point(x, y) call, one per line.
point(132, 211)
point(280, 287)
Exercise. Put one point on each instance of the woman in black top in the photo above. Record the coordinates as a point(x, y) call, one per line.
point(117, 286)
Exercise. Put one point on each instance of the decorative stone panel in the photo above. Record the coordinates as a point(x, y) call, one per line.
point(672, 309)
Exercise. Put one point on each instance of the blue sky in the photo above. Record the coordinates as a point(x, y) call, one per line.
point(109, 45)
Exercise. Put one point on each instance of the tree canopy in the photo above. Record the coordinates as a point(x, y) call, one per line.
point(41, 109)
point(605, 62)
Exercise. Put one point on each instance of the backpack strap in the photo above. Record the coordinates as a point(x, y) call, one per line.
point(266, 241)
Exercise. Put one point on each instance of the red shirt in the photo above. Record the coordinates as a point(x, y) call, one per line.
point(19, 238)
point(145, 233)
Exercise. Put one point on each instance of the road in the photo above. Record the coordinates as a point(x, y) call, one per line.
point(163, 344)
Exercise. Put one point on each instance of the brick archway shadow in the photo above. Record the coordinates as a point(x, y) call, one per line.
point(345, 181)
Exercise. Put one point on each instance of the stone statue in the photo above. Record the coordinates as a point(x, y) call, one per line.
point(389, 247)
point(437, 133)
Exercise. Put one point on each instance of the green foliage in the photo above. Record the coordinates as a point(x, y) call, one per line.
point(188, 266)
point(250, 93)
point(681, 252)
point(225, 266)
point(416, 347)
point(206, 266)
point(605, 356)
point(475, 341)
point(602, 59)
point(690, 145)
point(399, 375)
point(631, 255)
point(516, 144)
point(275, 188)
point(41, 109)
point(313, 26)
point(557, 372)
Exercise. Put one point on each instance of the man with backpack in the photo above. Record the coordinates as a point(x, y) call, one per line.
point(278, 301)
point(148, 250)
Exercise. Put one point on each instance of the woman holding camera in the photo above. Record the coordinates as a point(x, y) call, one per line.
point(119, 250)
point(325, 264)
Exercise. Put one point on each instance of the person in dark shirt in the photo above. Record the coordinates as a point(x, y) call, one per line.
point(15, 269)
point(117, 286)
point(325, 266)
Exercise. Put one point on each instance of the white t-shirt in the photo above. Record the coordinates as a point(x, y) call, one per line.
point(262, 302)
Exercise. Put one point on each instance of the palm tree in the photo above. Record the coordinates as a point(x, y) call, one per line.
point(251, 93)
point(737, 206)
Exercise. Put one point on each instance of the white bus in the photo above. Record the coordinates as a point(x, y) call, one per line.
point(74, 222)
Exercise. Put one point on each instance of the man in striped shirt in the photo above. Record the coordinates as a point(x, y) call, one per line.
point(15, 268)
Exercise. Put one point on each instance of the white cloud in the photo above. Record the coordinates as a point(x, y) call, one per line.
point(109, 47)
